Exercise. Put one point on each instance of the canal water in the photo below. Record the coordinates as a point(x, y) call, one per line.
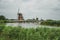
point(24, 25)
point(29, 25)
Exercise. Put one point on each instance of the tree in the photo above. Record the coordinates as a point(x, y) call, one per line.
point(2, 17)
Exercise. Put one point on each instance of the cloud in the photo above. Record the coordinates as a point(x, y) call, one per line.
point(47, 9)
point(42, 8)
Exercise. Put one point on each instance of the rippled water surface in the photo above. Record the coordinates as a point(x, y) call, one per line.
point(28, 25)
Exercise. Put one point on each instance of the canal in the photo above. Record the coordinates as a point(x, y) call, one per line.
point(29, 25)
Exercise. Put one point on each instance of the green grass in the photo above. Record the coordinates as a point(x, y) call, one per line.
point(19, 33)
point(51, 22)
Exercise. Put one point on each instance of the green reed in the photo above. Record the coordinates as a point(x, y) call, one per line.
point(19, 33)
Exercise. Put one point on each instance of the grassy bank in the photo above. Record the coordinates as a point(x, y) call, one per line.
point(51, 22)
point(19, 33)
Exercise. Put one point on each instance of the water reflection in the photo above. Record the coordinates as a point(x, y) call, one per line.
point(25, 25)
point(29, 25)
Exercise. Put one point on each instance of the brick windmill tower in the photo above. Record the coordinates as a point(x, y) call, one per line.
point(20, 16)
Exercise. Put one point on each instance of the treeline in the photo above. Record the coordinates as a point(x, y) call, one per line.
point(18, 33)
point(2, 19)
point(51, 22)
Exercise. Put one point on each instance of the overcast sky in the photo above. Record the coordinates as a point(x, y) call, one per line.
point(46, 9)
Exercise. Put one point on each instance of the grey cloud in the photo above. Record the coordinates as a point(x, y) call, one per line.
point(26, 0)
point(47, 9)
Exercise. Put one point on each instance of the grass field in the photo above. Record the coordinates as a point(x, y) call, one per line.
point(19, 33)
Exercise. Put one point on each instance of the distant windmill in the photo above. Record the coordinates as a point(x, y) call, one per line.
point(20, 16)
